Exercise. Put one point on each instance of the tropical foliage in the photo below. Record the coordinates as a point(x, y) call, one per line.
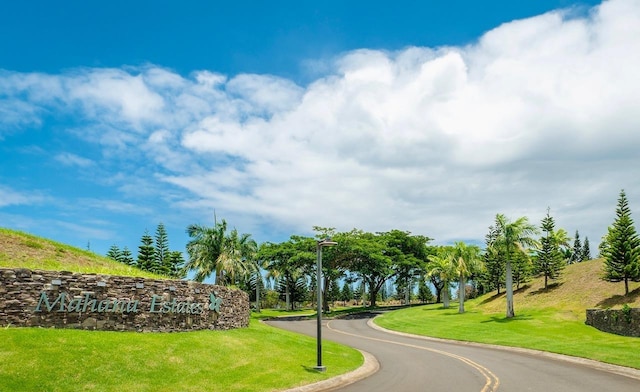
point(230, 256)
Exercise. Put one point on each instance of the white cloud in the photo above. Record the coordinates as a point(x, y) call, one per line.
point(538, 112)
point(12, 197)
point(70, 159)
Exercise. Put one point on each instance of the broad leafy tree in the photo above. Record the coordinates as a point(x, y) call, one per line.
point(288, 263)
point(622, 250)
point(368, 258)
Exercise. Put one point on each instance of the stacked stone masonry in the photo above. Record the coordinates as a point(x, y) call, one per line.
point(618, 321)
point(35, 298)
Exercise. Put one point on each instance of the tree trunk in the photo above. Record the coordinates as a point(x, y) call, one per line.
point(373, 293)
point(509, 290)
point(325, 291)
point(406, 293)
point(461, 293)
point(445, 295)
point(286, 295)
point(545, 281)
point(626, 285)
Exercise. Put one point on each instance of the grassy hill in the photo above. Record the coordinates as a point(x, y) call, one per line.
point(232, 360)
point(22, 250)
point(580, 287)
point(549, 320)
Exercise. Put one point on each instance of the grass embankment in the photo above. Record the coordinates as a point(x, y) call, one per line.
point(549, 320)
point(257, 358)
point(23, 250)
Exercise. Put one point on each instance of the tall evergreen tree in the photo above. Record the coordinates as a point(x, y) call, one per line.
point(549, 261)
point(146, 252)
point(425, 295)
point(176, 262)
point(127, 257)
point(586, 252)
point(333, 294)
point(622, 248)
point(114, 253)
point(161, 255)
point(493, 275)
point(576, 255)
point(346, 294)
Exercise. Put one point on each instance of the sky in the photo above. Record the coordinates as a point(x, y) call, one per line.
point(424, 116)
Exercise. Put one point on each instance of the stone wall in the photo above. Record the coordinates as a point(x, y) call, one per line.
point(117, 303)
point(618, 321)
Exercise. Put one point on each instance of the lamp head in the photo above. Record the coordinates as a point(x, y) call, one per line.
point(327, 242)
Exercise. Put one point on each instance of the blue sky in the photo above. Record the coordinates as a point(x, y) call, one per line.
point(427, 116)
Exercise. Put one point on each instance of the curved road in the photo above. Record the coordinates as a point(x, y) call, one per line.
point(415, 364)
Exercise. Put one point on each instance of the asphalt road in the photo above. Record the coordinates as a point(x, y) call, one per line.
point(414, 364)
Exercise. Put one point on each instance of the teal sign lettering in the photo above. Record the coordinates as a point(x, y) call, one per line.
point(86, 304)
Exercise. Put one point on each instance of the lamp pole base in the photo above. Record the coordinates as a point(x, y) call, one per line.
point(320, 368)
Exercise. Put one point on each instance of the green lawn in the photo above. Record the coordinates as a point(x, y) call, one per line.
point(547, 329)
point(258, 358)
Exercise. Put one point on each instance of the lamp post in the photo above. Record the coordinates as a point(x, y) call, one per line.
point(321, 243)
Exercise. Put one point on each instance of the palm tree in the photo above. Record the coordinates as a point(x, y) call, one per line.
point(442, 267)
point(467, 261)
point(237, 257)
point(212, 250)
point(514, 237)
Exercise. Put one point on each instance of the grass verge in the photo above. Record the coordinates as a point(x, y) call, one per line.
point(258, 358)
point(548, 329)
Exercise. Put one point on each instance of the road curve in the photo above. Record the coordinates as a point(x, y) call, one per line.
point(415, 364)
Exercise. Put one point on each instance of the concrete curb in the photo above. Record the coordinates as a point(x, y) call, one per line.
point(616, 369)
point(370, 366)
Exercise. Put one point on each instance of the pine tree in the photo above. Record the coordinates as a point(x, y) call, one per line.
point(333, 294)
point(146, 252)
point(425, 295)
point(549, 261)
point(576, 255)
point(161, 254)
point(176, 260)
point(126, 256)
point(493, 275)
point(622, 248)
point(346, 294)
point(586, 252)
point(114, 253)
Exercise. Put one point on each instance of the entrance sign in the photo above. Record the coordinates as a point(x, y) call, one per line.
point(106, 302)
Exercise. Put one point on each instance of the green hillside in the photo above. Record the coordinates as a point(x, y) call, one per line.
point(46, 359)
point(579, 288)
point(22, 250)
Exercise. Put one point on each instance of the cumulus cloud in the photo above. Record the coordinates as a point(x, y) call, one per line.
point(538, 112)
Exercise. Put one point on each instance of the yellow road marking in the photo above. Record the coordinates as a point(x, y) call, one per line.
point(491, 380)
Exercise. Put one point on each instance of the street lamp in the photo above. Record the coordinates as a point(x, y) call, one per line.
point(321, 244)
